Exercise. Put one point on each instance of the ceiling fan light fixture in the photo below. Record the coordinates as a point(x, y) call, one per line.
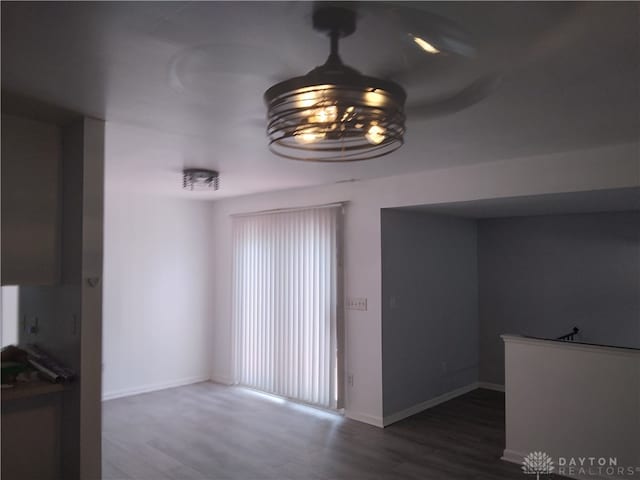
point(308, 136)
point(376, 134)
point(334, 113)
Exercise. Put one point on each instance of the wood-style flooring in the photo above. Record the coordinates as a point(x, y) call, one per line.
point(210, 431)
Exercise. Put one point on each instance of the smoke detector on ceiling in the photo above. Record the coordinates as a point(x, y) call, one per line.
point(200, 179)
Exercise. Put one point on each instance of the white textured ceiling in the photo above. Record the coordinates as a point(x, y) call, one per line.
point(181, 84)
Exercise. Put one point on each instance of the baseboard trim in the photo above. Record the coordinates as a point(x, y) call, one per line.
point(512, 456)
point(401, 415)
point(153, 387)
point(491, 386)
point(365, 418)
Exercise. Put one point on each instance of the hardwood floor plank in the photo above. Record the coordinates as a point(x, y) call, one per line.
point(208, 431)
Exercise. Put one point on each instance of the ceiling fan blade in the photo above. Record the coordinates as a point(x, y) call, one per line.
point(409, 74)
point(447, 104)
point(482, 48)
point(417, 43)
point(406, 21)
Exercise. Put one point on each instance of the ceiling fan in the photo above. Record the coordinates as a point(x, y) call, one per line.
point(336, 114)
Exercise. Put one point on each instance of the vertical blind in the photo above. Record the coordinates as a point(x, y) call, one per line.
point(284, 303)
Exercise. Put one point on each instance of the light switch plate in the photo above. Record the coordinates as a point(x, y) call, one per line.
point(356, 303)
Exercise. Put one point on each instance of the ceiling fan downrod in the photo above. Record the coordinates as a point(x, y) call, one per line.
point(337, 22)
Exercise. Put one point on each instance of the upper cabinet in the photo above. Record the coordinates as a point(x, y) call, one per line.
point(31, 201)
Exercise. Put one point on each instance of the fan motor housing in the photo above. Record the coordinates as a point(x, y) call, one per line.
point(335, 17)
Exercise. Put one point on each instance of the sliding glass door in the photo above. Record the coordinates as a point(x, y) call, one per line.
point(285, 298)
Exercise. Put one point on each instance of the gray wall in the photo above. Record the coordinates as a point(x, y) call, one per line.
point(540, 276)
point(429, 307)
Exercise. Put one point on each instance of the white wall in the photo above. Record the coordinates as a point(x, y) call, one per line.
point(157, 291)
point(572, 400)
point(9, 319)
point(607, 167)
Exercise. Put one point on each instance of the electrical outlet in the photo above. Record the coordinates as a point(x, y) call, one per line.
point(444, 367)
point(356, 303)
point(350, 379)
